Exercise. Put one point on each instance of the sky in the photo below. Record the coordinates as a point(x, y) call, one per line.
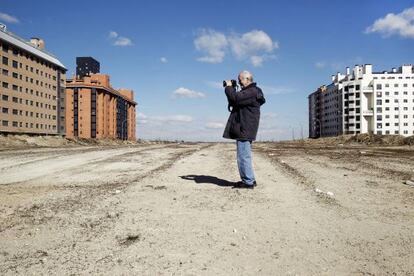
point(175, 54)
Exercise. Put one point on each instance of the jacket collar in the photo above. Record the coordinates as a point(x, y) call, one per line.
point(253, 84)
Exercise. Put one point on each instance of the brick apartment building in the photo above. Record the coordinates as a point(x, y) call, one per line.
point(32, 84)
point(96, 110)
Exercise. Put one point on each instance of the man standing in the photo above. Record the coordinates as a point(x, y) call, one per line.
point(243, 123)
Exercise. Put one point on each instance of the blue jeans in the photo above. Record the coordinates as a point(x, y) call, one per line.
point(244, 161)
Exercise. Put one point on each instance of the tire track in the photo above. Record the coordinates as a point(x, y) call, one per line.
point(298, 177)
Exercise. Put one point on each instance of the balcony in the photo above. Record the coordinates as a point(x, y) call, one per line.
point(369, 112)
point(367, 89)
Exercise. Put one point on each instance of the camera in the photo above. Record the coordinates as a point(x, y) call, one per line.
point(233, 83)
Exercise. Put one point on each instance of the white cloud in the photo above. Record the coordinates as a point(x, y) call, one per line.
point(214, 125)
point(269, 115)
point(142, 118)
point(215, 84)
point(320, 64)
point(118, 40)
point(167, 127)
point(113, 34)
point(250, 43)
point(123, 41)
point(163, 59)
point(174, 118)
point(160, 120)
point(187, 93)
point(276, 90)
point(256, 61)
point(8, 18)
point(337, 65)
point(213, 44)
point(255, 46)
point(401, 24)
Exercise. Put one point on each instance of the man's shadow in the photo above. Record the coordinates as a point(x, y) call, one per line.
point(207, 179)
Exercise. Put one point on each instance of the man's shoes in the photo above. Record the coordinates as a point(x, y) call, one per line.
point(242, 185)
point(245, 186)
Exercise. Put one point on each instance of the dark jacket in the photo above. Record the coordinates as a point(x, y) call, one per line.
point(244, 118)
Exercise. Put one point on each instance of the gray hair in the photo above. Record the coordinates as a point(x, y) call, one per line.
point(247, 74)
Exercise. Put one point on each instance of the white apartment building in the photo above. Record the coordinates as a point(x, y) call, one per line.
point(371, 102)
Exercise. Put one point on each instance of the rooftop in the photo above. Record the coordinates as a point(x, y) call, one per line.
point(101, 81)
point(27, 46)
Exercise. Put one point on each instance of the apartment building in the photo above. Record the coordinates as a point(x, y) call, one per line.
point(96, 110)
point(32, 84)
point(325, 115)
point(365, 102)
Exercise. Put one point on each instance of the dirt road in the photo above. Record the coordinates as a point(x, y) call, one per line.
point(171, 210)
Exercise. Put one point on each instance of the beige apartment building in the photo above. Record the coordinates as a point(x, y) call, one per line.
point(32, 87)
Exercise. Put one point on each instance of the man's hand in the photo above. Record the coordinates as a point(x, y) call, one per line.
point(228, 83)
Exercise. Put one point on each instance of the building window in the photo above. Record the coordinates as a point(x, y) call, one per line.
point(5, 123)
point(379, 86)
point(15, 64)
point(5, 61)
point(5, 47)
point(5, 110)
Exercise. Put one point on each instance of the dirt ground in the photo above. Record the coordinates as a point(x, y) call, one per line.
point(170, 209)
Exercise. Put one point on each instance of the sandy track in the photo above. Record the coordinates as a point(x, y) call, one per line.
point(171, 209)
